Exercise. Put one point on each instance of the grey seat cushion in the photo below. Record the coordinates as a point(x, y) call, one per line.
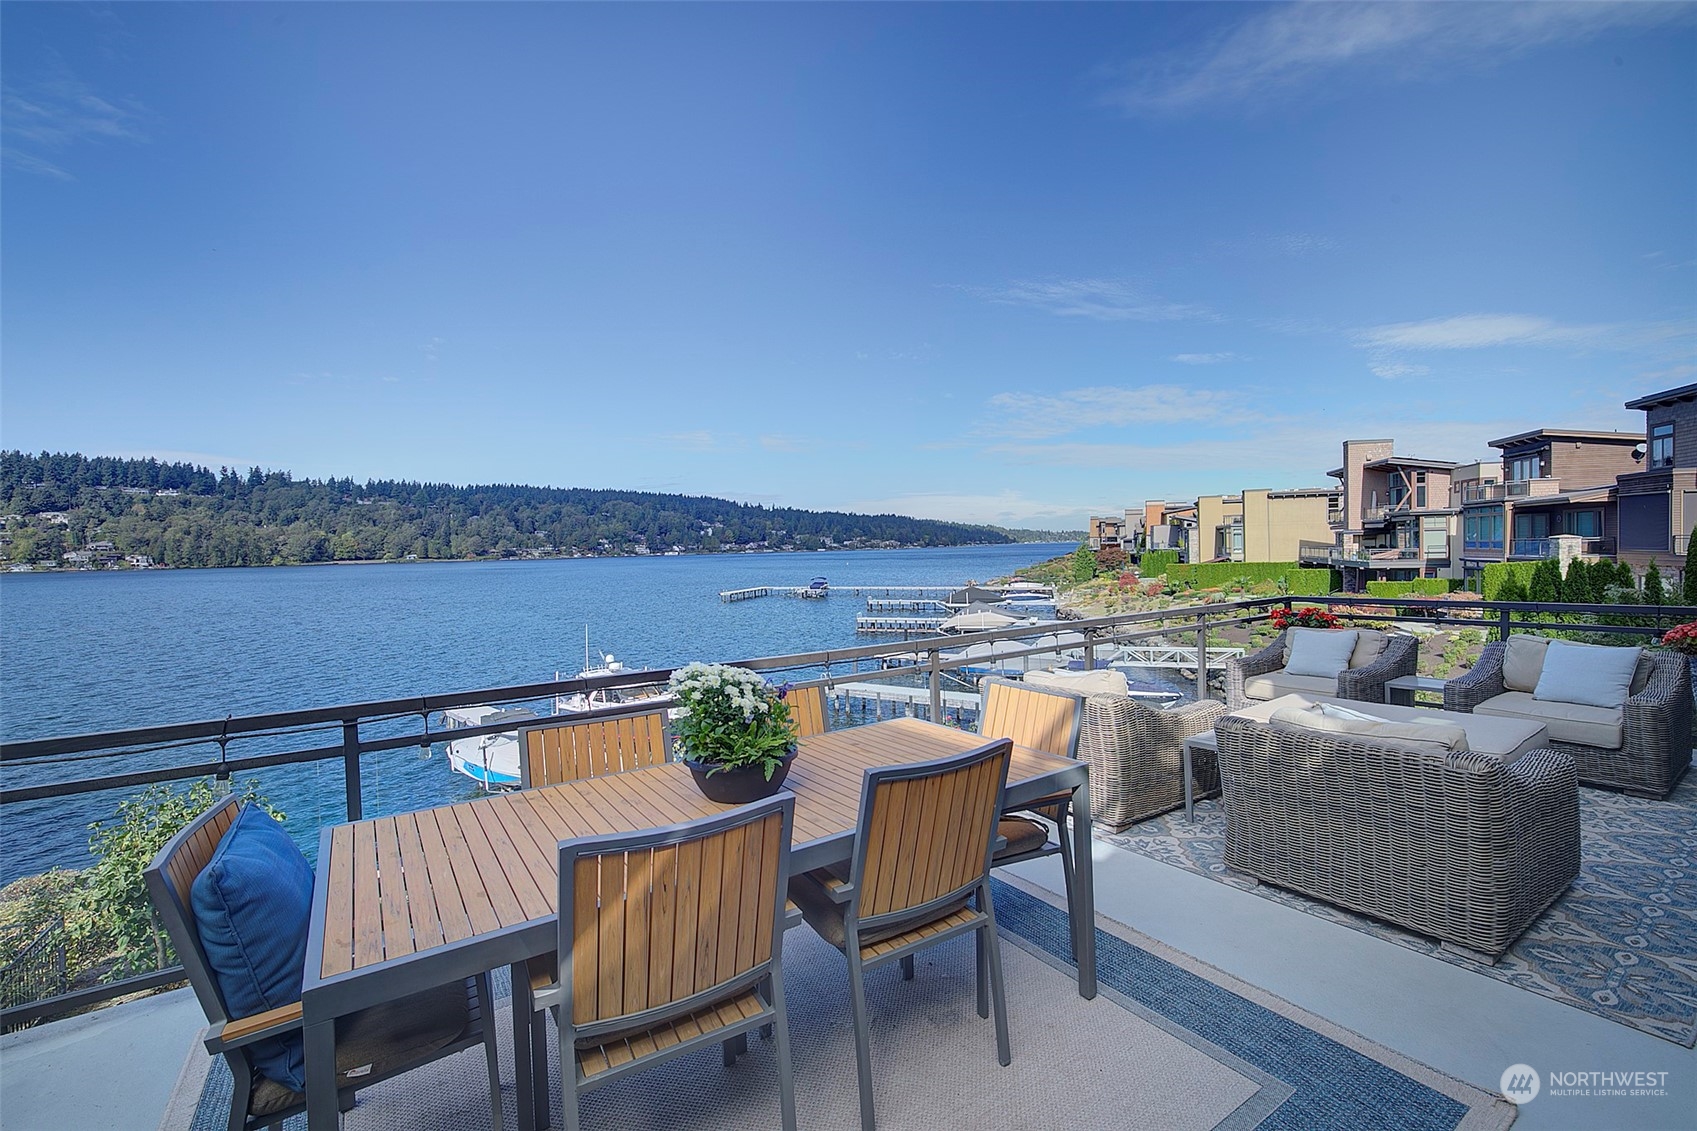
point(825, 915)
point(1277, 683)
point(387, 1037)
point(1602, 727)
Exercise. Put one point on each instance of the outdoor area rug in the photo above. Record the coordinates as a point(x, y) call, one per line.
point(1621, 943)
point(1169, 1044)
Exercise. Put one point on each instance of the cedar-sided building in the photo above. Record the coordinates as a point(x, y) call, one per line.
point(1657, 500)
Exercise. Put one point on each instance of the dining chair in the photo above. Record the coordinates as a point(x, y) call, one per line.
point(808, 712)
point(228, 889)
point(919, 875)
point(563, 748)
point(1042, 719)
point(669, 940)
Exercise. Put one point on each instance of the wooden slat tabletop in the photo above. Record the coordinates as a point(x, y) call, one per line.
point(398, 886)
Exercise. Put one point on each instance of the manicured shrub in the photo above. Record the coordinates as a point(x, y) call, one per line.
point(1688, 584)
point(1417, 587)
point(1655, 592)
point(1491, 580)
point(1156, 562)
point(1545, 585)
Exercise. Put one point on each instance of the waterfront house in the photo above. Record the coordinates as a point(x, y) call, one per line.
point(1263, 525)
point(1393, 520)
point(1556, 482)
point(1657, 500)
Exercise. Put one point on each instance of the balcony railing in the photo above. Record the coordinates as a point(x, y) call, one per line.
point(1481, 492)
point(1540, 548)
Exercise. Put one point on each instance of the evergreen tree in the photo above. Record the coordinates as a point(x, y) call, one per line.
point(1546, 582)
point(1655, 593)
point(1511, 589)
point(1688, 584)
point(1576, 586)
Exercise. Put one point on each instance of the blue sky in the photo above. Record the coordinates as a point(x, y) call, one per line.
point(1004, 263)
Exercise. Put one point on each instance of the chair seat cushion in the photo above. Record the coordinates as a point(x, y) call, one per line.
point(252, 903)
point(811, 892)
point(1023, 835)
point(383, 1040)
point(1277, 683)
point(1602, 727)
point(1102, 681)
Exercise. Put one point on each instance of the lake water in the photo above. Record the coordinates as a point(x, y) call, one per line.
point(83, 652)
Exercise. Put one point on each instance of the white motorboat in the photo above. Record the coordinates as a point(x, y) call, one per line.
point(491, 760)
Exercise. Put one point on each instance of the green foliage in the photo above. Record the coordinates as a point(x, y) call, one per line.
point(1510, 588)
point(1418, 587)
point(1495, 574)
point(1296, 581)
point(1688, 585)
point(261, 517)
point(1576, 586)
point(731, 718)
point(1655, 592)
point(1083, 563)
point(112, 897)
point(1156, 562)
point(1546, 581)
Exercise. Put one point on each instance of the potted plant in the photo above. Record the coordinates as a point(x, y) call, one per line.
point(1309, 616)
point(733, 731)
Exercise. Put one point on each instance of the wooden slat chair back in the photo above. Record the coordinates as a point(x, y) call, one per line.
point(1043, 719)
point(1036, 717)
point(670, 939)
point(808, 712)
point(924, 835)
point(561, 750)
point(920, 874)
point(254, 1100)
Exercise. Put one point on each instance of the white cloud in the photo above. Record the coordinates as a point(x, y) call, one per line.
point(59, 112)
point(782, 444)
point(204, 459)
point(1036, 416)
point(1205, 358)
point(1478, 331)
point(1392, 371)
point(1106, 300)
point(1290, 47)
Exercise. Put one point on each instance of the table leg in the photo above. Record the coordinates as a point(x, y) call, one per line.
point(523, 1066)
point(1083, 909)
point(1189, 786)
point(319, 1039)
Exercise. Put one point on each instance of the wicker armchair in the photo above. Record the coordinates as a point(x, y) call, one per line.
point(1464, 847)
point(1656, 724)
point(1366, 684)
point(1135, 755)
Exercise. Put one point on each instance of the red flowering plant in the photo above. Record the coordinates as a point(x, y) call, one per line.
point(1309, 616)
point(1682, 638)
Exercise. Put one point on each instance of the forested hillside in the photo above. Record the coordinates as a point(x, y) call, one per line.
point(103, 510)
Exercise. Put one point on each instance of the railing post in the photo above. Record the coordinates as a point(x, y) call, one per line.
point(350, 768)
point(1201, 656)
point(936, 687)
point(1502, 626)
point(1089, 653)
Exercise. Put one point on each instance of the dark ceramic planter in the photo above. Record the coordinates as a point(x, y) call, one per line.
point(740, 784)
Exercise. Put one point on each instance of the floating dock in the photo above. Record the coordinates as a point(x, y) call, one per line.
point(906, 605)
point(926, 625)
point(745, 594)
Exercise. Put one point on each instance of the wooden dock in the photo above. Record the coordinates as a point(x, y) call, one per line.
point(906, 605)
point(745, 594)
point(898, 624)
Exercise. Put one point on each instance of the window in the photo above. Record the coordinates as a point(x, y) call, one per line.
point(1661, 446)
point(1531, 526)
point(1586, 524)
point(1483, 530)
point(1533, 466)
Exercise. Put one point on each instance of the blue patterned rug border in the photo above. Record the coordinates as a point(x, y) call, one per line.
point(1331, 1084)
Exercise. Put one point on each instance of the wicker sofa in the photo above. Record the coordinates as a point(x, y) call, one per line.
point(1136, 752)
point(1379, 658)
point(1654, 725)
point(1461, 846)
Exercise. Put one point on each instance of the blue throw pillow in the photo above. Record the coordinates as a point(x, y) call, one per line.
point(252, 903)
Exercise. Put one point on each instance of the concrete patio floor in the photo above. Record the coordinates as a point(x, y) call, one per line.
point(1470, 1026)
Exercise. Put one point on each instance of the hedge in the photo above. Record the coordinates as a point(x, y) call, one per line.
point(1298, 581)
point(1156, 562)
point(1419, 587)
point(1497, 572)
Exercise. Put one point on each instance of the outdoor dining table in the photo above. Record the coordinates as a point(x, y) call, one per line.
point(420, 899)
